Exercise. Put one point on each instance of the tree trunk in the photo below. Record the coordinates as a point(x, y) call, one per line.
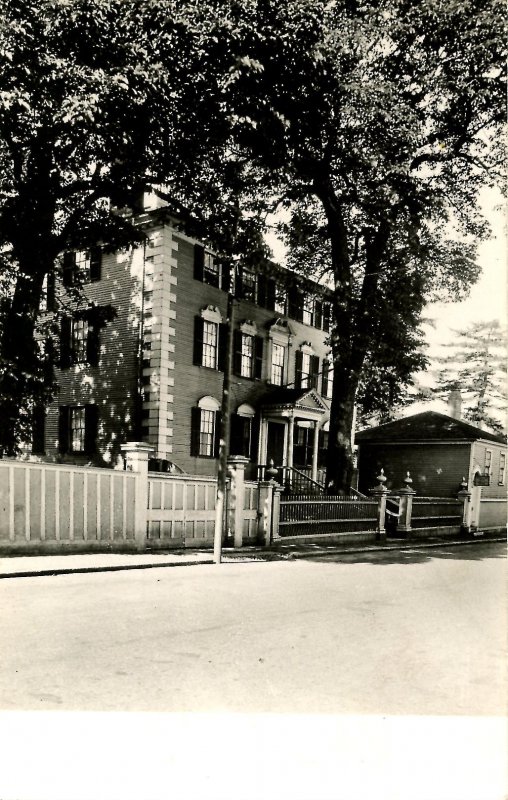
point(339, 456)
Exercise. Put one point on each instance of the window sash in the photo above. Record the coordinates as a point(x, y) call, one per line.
point(308, 311)
point(488, 462)
point(77, 429)
point(278, 358)
point(210, 340)
point(249, 285)
point(247, 356)
point(211, 271)
point(305, 379)
point(79, 340)
point(206, 432)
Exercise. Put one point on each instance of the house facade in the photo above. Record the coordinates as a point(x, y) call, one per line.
point(155, 371)
point(438, 450)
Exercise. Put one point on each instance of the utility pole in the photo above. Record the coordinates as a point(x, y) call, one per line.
point(224, 432)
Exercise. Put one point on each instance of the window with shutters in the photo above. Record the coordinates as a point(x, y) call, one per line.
point(208, 269)
point(82, 266)
point(77, 429)
point(244, 432)
point(308, 310)
point(306, 368)
point(206, 432)
point(209, 339)
point(211, 270)
point(247, 351)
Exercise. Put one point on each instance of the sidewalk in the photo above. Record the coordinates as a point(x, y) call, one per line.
point(31, 566)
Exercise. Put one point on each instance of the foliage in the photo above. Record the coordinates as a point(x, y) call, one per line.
point(476, 365)
point(376, 125)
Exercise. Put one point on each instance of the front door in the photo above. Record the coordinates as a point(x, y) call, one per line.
point(275, 443)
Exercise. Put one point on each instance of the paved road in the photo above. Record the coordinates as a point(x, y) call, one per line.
point(415, 632)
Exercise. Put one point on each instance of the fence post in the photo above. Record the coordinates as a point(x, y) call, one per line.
point(406, 505)
point(380, 492)
point(276, 492)
point(136, 461)
point(236, 468)
point(465, 495)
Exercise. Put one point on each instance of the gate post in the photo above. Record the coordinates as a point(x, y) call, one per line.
point(406, 505)
point(380, 492)
point(136, 461)
point(236, 468)
point(269, 511)
point(465, 495)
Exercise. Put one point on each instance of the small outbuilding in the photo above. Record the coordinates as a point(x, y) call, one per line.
point(438, 450)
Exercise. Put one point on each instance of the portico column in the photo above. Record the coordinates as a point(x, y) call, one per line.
point(291, 437)
point(315, 450)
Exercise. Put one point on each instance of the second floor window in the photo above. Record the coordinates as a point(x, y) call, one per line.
point(79, 342)
point(209, 343)
point(247, 355)
point(306, 370)
point(327, 380)
point(278, 363)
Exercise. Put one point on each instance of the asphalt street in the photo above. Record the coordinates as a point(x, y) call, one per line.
point(411, 632)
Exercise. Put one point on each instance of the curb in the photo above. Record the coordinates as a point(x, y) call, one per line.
point(251, 556)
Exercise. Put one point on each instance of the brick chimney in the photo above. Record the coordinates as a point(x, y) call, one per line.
point(455, 404)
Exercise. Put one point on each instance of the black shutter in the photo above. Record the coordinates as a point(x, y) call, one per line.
point(325, 379)
point(239, 282)
point(262, 290)
point(298, 369)
point(226, 270)
point(318, 313)
point(95, 264)
point(63, 429)
point(65, 342)
point(270, 294)
point(199, 325)
point(38, 426)
point(91, 425)
point(314, 372)
point(254, 439)
point(199, 262)
point(69, 268)
point(236, 435)
point(50, 292)
point(92, 345)
point(223, 343)
point(326, 317)
point(216, 444)
point(195, 431)
point(258, 357)
point(237, 352)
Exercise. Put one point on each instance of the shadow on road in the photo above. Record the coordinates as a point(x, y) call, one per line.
point(473, 552)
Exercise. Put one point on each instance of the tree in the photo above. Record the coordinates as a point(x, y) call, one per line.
point(376, 124)
point(476, 366)
point(86, 107)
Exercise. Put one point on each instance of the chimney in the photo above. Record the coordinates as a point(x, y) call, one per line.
point(455, 404)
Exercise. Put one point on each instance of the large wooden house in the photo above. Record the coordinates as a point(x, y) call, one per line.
point(155, 372)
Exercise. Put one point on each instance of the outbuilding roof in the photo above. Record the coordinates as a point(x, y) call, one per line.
point(427, 426)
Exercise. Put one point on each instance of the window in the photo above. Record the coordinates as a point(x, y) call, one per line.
point(82, 266)
point(327, 380)
point(303, 444)
point(278, 361)
point(488, 462)
point(79, 342)
point(502, 468)
point(248, 352)
point(308, 310)
point(280, 299)
point(77, 429)
point(48, 297)
point(209, 339)
point(247, 287)
point(306, 369)
point(205, 426)
point(209, 270)
point(244, 430)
